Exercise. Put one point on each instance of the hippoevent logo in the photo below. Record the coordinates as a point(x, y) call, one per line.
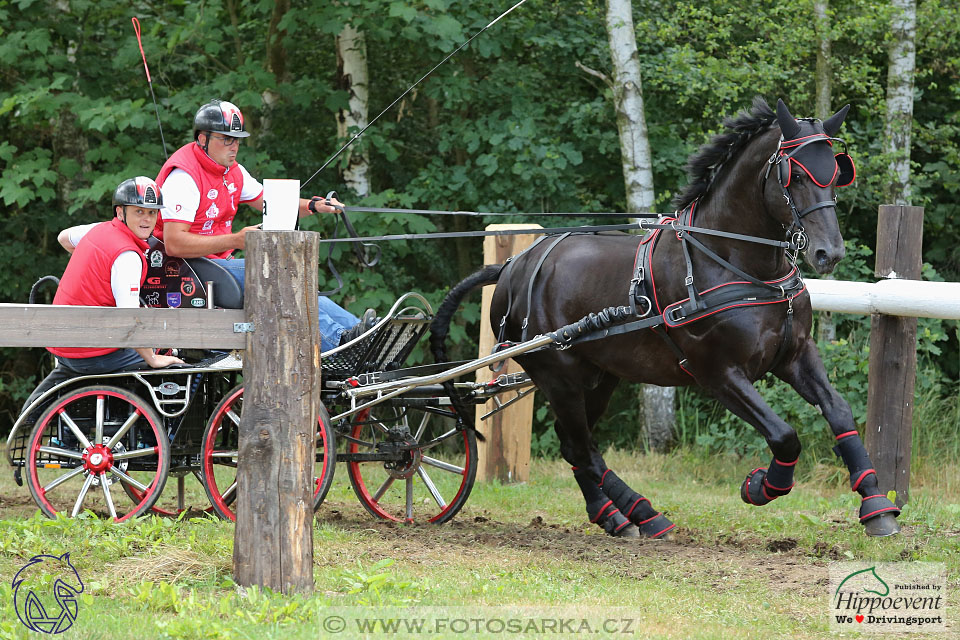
point(45, 593)
point(887, 597)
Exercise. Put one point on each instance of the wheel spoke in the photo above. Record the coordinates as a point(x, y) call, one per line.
point(82, 439)
point(106, 494)
point(60, 480)
point(61, 453)
point(233, 417)
point(423, 425)
point(440, 464)
point(432, 488)
point(98, 430)
point(409, 492)
point(123, 430)
point(128, 479)
point(83, 494)
point(382, 490)
point(137, 453)
point(230, 490)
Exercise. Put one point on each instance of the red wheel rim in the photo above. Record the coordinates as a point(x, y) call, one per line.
point(356, 473)
point(59, 409)
point(216, 494)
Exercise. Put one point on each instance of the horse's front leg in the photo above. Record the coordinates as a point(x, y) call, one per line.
point(764, 484)
point(806, 374)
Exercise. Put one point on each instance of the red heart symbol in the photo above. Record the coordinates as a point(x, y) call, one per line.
point(859, 618)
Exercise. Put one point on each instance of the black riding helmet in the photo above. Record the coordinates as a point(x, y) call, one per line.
point(219, 116)
point(139, 192)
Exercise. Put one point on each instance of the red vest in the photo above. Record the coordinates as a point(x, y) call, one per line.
point(86, 281)
point(220, 190)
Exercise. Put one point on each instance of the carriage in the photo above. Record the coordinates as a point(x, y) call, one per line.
point(108, 443)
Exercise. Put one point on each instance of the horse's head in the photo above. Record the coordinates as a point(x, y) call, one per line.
point(807, 166)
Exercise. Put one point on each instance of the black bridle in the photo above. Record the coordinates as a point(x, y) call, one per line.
point(782, 158)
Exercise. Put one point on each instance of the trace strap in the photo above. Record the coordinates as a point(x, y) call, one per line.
point(481, 214)
point(477, 234)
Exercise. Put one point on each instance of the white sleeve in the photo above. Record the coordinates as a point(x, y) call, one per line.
point(125, 280)
point(181, 197)
point(252, 189)
point(75, 234)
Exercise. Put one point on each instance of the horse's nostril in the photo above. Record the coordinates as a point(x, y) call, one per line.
point(822, 257)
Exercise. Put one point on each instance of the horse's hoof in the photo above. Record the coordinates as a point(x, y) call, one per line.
point(882, 525)
point(657, 527)
point(629, 531)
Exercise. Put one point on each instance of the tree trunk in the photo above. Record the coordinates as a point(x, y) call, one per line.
point(902, 63)
point(276, 59)
point(826, 325)
point(658, 402)
point(352, 77)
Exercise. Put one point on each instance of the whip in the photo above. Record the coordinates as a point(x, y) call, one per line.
point(136, 29)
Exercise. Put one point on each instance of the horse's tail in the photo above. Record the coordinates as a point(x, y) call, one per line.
point(440, 327)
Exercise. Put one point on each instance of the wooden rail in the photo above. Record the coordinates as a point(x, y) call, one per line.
point(40, 325)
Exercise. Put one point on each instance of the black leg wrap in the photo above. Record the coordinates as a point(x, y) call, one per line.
point(633, 505)
point(762, 486)
point(873, 506)
point(600, 508)
point(863, 477)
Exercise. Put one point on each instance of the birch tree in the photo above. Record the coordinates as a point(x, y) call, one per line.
point(900, 72)
point(823, 109)
point(352, 78)
point(636, 162)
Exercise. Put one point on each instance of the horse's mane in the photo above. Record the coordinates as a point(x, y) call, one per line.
point(703, 165)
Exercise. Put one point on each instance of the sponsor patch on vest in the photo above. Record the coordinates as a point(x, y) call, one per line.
point(231, 188)
point(212, 211)
point(207, 225)
point(187, 287)
point(173, 300)
point(198, 302)
point(212, 194)
point(156, 259)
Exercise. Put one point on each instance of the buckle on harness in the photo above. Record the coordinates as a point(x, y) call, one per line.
point(688, 281)
point(644, 306)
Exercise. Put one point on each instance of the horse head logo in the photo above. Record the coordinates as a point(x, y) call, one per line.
point(867, 578)
point(45, 593)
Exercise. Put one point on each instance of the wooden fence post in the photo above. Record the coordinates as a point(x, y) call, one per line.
point(893, 353)
point(506, 453)
point(273, 539)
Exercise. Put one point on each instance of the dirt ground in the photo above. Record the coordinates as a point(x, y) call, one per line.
point(783, 565)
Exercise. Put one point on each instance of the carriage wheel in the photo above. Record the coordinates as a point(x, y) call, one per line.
point(428, 472)
point(219, 455)
point(89, 441)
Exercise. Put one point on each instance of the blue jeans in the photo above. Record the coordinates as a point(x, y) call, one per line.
point(108, 363)
point(333, 319)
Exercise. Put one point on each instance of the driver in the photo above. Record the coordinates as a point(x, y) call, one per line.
point(203, 185)
point(106, 269)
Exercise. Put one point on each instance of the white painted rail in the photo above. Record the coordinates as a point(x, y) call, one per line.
point(893, 297)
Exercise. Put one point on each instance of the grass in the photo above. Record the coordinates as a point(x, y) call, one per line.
point(733, 571)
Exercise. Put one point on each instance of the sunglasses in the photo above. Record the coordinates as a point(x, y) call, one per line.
point(227, 141)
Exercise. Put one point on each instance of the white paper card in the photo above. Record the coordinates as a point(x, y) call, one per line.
point(281, 204)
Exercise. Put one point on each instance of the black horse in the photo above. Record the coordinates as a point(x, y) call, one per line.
point(712, 297)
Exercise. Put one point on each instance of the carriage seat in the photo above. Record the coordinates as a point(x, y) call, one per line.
point(226, 290)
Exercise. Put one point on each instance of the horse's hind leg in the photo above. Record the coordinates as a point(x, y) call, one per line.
point(610, 503)
point(635, 507)
point(806, 374)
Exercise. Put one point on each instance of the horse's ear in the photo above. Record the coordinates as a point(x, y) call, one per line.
point(788, 124)
point(832, 124)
